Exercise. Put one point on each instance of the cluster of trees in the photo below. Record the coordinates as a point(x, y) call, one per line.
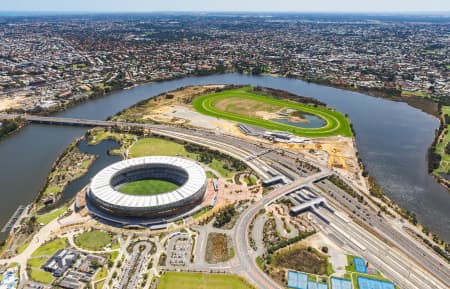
point(441, 252)
point(224, 216)
point(9, 126)
point(207, 156)
point(288, 242)
point(434, 158)
point(29, 225)
point(375, 189)
point(343, 185)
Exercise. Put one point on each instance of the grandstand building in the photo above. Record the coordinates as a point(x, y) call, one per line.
point(103, 193)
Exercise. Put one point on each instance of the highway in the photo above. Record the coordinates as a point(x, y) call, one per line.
point(433, 264)
point(393, 263)
point(405, 263)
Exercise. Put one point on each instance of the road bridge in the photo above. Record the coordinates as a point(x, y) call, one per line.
point(63, 120)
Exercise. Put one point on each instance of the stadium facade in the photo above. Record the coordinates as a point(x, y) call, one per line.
point(103, 191)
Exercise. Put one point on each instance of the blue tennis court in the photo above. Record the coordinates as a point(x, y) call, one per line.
point(366, 283)
point(297, 280)
point(315, 285)
point(337, 283)
point(360, 265)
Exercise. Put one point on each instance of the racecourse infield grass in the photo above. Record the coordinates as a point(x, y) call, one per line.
point(170, 280)
point(336, 123)
point(147, 187)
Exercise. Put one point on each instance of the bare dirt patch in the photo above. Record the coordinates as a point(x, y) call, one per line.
point(300, 258)
point(149, 110)
point(218, 248)
point(11, 102)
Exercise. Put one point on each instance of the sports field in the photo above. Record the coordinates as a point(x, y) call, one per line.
point(245, 106)
point(147, 187)
point(172, 280)
point(93, 240)
point(158, 147)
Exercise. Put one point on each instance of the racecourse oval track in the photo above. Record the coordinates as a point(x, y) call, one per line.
point(336, 123)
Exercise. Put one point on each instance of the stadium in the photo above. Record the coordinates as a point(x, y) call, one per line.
point(189, 179)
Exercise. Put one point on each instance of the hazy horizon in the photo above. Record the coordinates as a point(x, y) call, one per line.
point(261, 6)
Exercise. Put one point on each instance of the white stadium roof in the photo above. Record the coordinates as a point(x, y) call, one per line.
point(103, 191)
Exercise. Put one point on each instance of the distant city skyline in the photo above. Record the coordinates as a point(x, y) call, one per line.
point(361, 6)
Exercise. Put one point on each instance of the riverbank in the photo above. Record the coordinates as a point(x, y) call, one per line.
point(400, 126)
point(424, 104)
point(68, 167)
point(439, 151)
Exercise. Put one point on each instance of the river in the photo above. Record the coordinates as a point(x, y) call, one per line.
point(392, 139)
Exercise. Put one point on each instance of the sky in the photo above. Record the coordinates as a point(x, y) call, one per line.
point(227, 5)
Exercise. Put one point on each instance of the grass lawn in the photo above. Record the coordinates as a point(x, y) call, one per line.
point(416, 93)
point(157, 147)
point(94, 240)
point(41, 276)
point(217, 165)
point(147, 187)
point(260, 263)
point(210, 175)
point(101, 274)
point(23, 247)
point(99, 285)
point(40, 256)
point(161, 147)
point(113, 255)
point(350, 264)
point(52, 190)
point(50, 248)
point(115, 245)
point(201, 212)
point(99, 135)
point(86, 164)
point(172, 280)
point(251, 181)
point(330, 269)
point(50, 216)
point(213, 105)
point(37, 261)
